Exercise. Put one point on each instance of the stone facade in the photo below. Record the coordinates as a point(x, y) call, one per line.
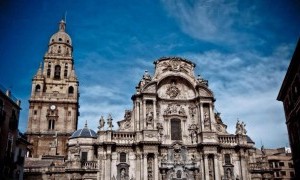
point(289, 94)
point(53, 105)
point(172, 131)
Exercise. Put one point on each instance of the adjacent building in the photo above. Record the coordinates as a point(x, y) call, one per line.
point(13, 144)
point(289, 94)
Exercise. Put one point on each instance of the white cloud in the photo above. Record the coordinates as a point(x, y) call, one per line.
point(246, 86)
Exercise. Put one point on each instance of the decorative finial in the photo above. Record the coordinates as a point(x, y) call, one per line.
point(62, 25)
point(85, 126)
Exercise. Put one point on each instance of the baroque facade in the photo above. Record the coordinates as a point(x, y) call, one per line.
point(172, 131)
point(289, 94)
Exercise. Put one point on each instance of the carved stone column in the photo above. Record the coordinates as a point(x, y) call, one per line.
point(145, 166)
point(144, 114)
point(136, 116)
point(202, 171)
point(156, 171)
point(201, 117)
point(212, 117)
point(154, 114)
point(206, 170)
point(216, 167)
point(138, 167)
point(108, 166)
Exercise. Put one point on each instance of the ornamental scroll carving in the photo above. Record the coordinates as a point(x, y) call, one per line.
point(176, 65)
point(174, 109)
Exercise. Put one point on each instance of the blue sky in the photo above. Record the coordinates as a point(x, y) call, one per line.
point(242, 47)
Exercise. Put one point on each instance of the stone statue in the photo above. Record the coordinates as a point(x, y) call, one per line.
point(101, 123)
point(123, 174)
point(240, 128)
point(149, 119)
point(109, 122)
point(194, 136)
point(160, 128)
point(206, 120)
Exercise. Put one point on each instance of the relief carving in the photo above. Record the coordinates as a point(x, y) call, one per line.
point(174, 109)
point(192, 111)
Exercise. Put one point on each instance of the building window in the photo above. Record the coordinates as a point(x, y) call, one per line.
point(281, 163)
point(59, 39)
point(51, 124)
point(71, 90)
point(122, 157)
point(283, 173)
point(69, 113)
point(57, 72)
point(292, 174)
point(291, 165)
point(37, 88)
point(175, 129)
point(35, 112)
point(227, 159)
point(66, 70)
point(84, 156)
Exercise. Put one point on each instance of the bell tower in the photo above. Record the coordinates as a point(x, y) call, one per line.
point(53, 105)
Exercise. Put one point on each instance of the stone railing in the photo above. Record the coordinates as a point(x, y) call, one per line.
point(89, 165)
point(123, 137)
point(35, 169)
point(227, 139)
point(259, 166)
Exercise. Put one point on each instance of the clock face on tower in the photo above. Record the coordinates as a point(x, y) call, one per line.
point(53, 107)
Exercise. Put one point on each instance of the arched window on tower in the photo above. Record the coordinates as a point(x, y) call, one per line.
point(57, 72)
point(37, 88)
point(71, 90)
point(175, 129)
point(49, 70)
point(66, 70)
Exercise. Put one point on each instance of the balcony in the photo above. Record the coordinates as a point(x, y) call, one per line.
point(123, 137)
point(227, 139)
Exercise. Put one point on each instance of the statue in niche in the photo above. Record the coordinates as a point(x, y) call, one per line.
point(123, 174)
point(160, 128)
point(178, 174)
point(149, 120)
point(228, 173)
point(206, 120)
point(150, 168)
point(177, 157)
point(193, 158)
point(194, 136)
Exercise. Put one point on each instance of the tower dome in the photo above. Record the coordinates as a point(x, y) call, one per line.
point(60, 43)
point(84, 133)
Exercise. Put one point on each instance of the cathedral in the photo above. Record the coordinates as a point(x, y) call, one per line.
point(172, 131)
